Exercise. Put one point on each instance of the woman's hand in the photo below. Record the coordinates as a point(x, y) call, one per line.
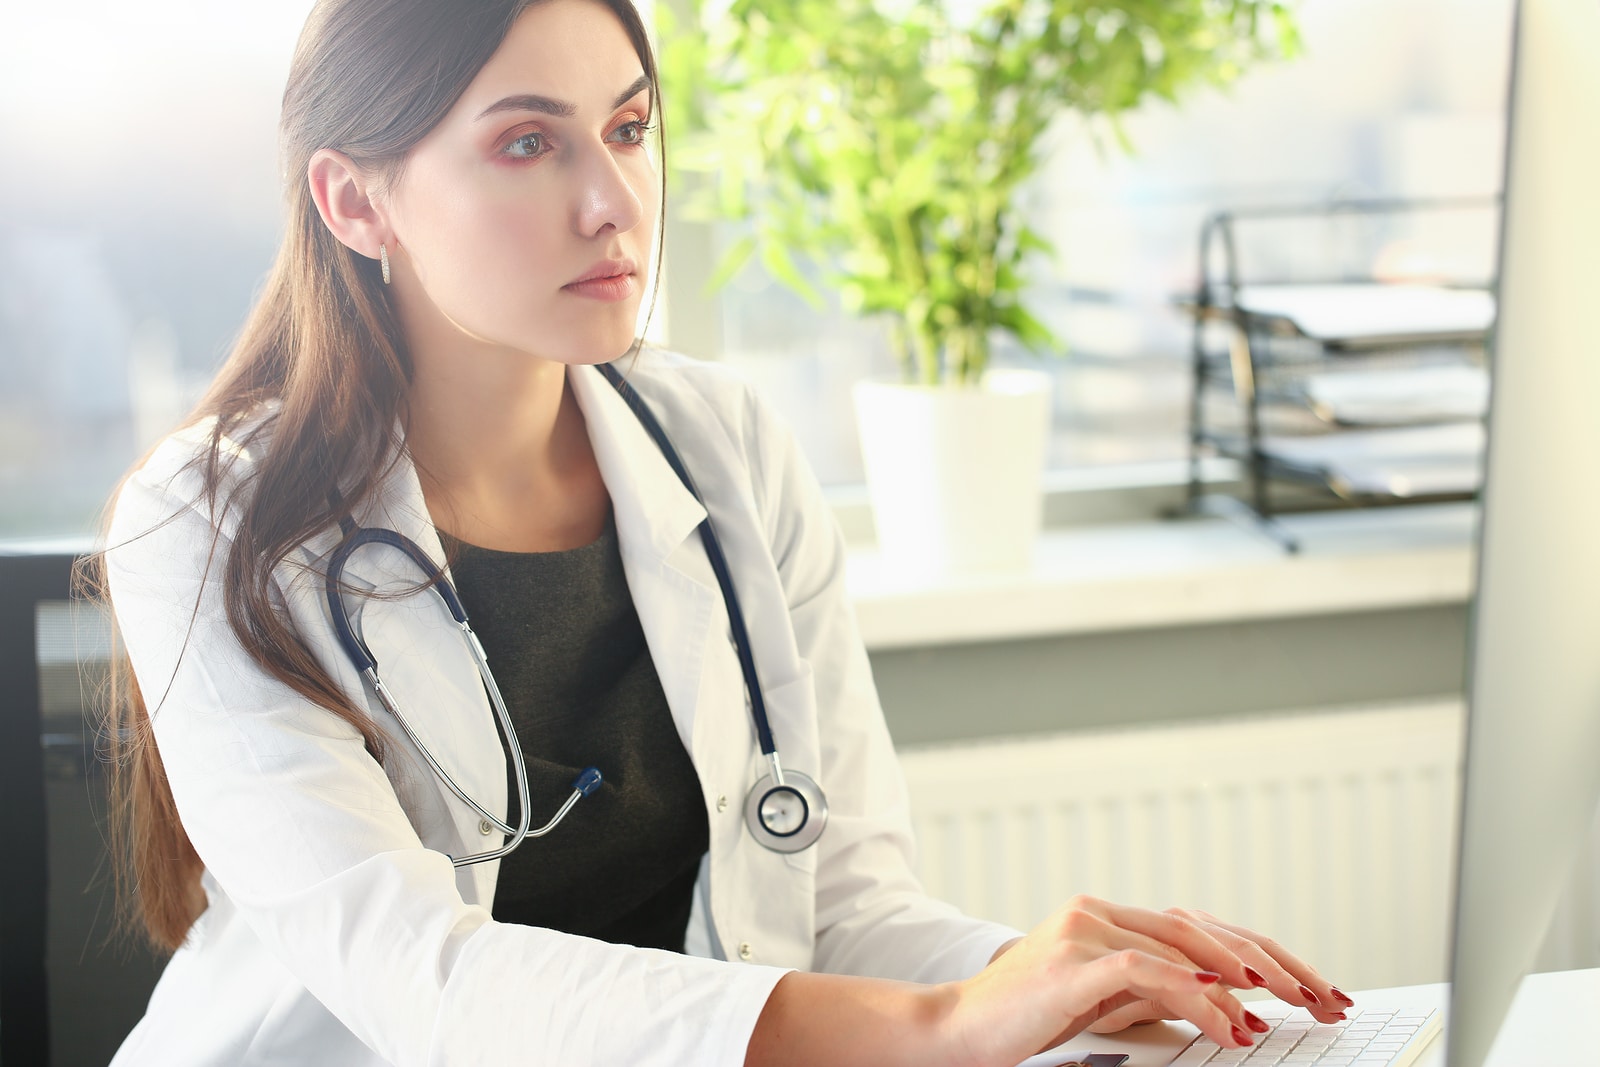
point(1091, 966)
point(1100, 966)
point(1274, 968)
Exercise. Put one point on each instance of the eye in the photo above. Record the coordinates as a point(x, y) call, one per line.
point(631, 133)
point(529, 146)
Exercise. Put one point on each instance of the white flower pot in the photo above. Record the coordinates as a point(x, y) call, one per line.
point(954, 472)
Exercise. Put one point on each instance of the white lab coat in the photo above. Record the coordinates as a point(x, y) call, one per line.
point(337, 930)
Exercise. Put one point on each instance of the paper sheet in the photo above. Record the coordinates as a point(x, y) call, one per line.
point(1399, 395)
point(1367, 313)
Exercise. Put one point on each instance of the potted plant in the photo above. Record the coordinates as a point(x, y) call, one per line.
point(883, 143)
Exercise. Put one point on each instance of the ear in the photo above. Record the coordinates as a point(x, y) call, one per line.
point(343, 195)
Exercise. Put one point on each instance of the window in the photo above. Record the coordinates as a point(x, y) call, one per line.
point(139, 211)
point(1390, 98)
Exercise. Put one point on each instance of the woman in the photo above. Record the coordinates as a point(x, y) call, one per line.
point(472, 209)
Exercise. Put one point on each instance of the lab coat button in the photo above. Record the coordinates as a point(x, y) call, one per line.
point(744, 950)
point(722, 802)
point(484, 826)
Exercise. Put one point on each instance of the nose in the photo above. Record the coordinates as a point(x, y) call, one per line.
point(606, 196)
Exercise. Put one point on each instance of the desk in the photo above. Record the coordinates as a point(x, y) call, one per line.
point(1553, 1022)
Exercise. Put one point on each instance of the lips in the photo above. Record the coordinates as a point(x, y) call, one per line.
point(605, 270)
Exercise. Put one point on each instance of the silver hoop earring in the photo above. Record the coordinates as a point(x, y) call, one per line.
point(383, 257)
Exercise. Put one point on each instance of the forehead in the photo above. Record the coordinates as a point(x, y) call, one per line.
point(572, 50)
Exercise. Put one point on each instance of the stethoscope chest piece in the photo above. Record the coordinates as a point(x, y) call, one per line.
point(787, 816)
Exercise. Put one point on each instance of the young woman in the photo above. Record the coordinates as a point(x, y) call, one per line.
point(473, 201)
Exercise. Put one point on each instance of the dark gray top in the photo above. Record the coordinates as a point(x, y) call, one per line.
point(569, 655)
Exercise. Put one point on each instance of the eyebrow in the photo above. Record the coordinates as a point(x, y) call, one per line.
point(561, 108)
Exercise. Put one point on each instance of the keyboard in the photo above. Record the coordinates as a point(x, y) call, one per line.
point(1377, 1038)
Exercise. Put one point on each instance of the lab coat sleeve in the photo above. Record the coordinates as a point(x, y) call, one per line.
point(872, 915)
point(303, 832)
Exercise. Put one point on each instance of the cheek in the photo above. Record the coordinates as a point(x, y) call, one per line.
point(476, 229)
point(480, 253)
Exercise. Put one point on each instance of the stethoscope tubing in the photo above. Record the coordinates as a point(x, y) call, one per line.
point(794, 787)
point(719, 565)
point(765, 810)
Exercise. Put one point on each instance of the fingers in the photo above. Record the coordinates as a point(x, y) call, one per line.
point(1181, 990)
point(1141, 965)
point(1176, 928)
point(1202, 945)
point(1284, 974)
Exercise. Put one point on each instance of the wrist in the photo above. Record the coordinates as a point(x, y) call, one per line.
point(1003, 949)
point(958, 1037)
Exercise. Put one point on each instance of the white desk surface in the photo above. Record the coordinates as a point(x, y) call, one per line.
point(1554, 1022)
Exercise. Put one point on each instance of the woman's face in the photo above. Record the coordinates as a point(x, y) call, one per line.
point(525, 218)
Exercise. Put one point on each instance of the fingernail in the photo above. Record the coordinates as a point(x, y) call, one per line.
point(1311, 998)
point(1255, 1022)
point(1208, 977)
point(1340, 1016)
point(1241, 1038)
point(1341, 997)
point(1255, 977)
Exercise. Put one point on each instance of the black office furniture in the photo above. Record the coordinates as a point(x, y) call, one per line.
point(1338, 388)
point(70, 989)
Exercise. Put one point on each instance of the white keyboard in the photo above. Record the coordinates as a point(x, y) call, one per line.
point(1378, 1038)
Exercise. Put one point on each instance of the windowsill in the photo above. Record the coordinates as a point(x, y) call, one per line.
point(1152, 574)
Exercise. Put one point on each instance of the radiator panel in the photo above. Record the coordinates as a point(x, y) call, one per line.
point(1334, 832)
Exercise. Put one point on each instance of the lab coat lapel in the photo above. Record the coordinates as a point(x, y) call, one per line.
point(669, 576)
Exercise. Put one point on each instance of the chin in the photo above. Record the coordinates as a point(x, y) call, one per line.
point(594, 349)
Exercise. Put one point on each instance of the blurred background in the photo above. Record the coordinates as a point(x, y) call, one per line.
point(139, 211)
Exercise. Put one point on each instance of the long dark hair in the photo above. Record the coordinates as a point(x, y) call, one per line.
point(370, 78)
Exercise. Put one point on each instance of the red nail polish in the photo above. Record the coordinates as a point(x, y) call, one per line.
point(1255, 977)
point(1311, 998)
point(1241, 1038)
point(1208, 977)
point(1342, 998)
point(1255, 1022)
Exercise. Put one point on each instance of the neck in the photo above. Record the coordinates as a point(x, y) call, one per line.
point(503, 454)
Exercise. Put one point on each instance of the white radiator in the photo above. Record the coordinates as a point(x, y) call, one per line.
point(1333, 832)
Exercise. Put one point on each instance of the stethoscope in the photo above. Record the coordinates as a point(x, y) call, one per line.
point(785, 811)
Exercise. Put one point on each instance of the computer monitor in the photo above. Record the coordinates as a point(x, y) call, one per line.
point(1533, 736)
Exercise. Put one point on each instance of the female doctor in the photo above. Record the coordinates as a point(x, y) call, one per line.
point(313, 767)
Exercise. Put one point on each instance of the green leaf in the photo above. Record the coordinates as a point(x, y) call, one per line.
point(885, 141)
point(737, 255)
point(775, 257)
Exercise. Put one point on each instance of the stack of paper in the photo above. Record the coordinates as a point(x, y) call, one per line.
point(1372, 313)
point(1415, 461)
point(1399, 395)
